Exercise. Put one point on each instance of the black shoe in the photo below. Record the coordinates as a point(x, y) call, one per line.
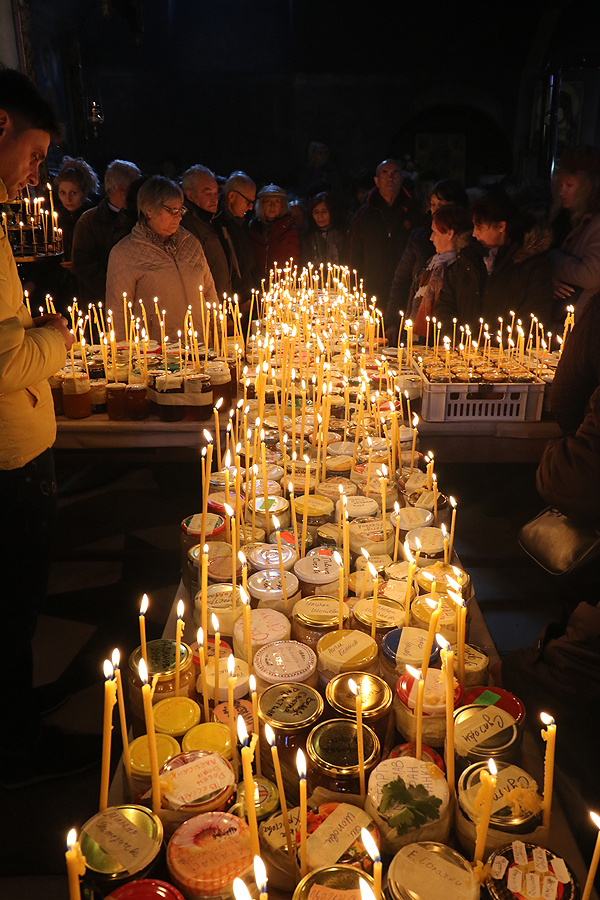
point(55, 754)
point(50, 696)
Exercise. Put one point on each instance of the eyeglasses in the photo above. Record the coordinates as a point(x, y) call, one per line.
point(249, 202)
point(175, 212)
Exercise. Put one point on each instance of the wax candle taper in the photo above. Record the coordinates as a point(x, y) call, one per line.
point(75, 865)
point(231, 680)
point(373, 851)
point(149, 719)
point(483, 801)
point(249, 786)
point(448, 670)
point(589, 883)
point(301, 767)
point(357, 691)
point(110, 698)
point(418, 676)
point(270, 736)
point(549, 735)
point(178, 635)
point(202, 658)
point(217, 633)
point(143, 611)
point(254, 699)
point(116, 661)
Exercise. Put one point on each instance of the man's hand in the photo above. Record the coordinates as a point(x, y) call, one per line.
point(38, 321)
point(562, 291)
point(60, 323)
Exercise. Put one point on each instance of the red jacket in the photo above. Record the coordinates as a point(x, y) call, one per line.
point(274, 243)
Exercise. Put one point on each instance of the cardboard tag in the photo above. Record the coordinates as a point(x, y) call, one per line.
point(532, 885)
point(520, 853)
point(499, 867)
point(549, 888)
point(559, 868)
point(540, 860)
point(514, 882)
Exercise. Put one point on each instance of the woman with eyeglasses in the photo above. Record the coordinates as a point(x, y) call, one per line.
point(158, 259)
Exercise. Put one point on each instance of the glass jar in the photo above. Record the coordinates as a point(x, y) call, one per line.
point(389, 616)
point(346, 651)
point(410, 517)
point(98, 395)
point(266, 798)
point(277, 506)
point(421, 611)
point(136, 402)
point(430, 870)
point(319, 575)
point(191, 533)
point(266, 626)
point(432, 544)
point(481, 732)
point(330, 488)
point(208, 852)
point(319, 511)
point(139, 756)
point(170, 397)
point(500, 698)
point(266, 590)
point(284, 662)
point(146, 889)
point(77, 397)
point(367, 534)
point(199, 398)
point(477, 667)
point(266, 556)
point(433, 723)
point(191, 574)
point(332, 750)
point(314, 617)
point(360, 507)
point(212, 737)
point(220, 382)
point(376, 698)
point(115, 401)
point(220, 600)
point(333, 882)
point(161, 662)
point(401, 647)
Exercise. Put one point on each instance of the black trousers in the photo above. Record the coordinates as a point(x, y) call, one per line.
point(28, 503)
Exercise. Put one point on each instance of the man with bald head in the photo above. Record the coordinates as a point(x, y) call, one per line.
point(237, 203)
point(380, 230)
point(204, 220)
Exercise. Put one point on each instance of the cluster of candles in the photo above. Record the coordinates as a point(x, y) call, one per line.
point(36, 228)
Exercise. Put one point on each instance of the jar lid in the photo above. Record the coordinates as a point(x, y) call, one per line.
point(267, 584)
point(121, 841)
point(482, 731)
point(193, 525)
point(407, 645)
point(216, 501)
point(499, 698)
point(341, 462)
point(333, 746)
point(431, 539)
point(284, 661)
point(423, 611)
point(266, 556)
point(212, 737)
point(241, 708)
point(434, 693)
point(288, 707)
point(367, 533)
point(317, 569)
point(315, 506)
point(266, 625)
point(509, 867)
point(441, 574)
point(427, 870)
point(413, 482)
point(216, 550)
point(276, 505)
point(346, 651)
point(361, 583)
point(380, 561)
point(394, 590)
point(218, 478)
point(411, 517)
point(376, 695)
point(397, 571)
point(359, 507)
point(196, 778)
point(274, 472)
point(220, 568)
point(389, 614)
point(330, 881)
point(266, 798)
point(334, 836)
point(241, 673)
point(139, 753)
point(219, 597)
point(516, 804)
point(428, 754)
point(476, 660)
point(318, 612)
point(160, 656)
point(341, 448)
point(146, 889)
point(175, 715)
point(412, 772)
point(207, 852)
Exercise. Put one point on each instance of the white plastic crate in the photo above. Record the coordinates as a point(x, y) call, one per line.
point(482, 402)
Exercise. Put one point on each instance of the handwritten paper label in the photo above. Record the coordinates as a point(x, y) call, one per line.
point(434, 693)
point(428, 874)
point(273, 830)
point(386, 613)
point(549, 888)
point(122, 840)
point(198, 780)
point(322, 892)
point(520, 853)
point(480, 726)
point(337, 833)
point(411, 645)
point(348, 648)
point(559, 867)
point(398, 571)
point(540, 860)
point(532, 884)
point(508, 779)
point(394, 590)
point(499, 867)
point(514, 882)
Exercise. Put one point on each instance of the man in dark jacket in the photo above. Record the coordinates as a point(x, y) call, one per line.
point(204, 220)
point(100, 228)
point(380, 231)
point(237, 201)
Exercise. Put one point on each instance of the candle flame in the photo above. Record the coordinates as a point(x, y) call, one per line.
point(270, 735)
point(353, 687)
point(231, 665)
point(452, 502)
point(218, 404)
point(416, 673)
point(72, 837)
point(214, 623)
point(275, 523)
point(260, 875)
point(457, 598)
point(595, 819)
point(243, 593)
point(242, 558)
point(372, 570)
point(410, 558)
point(180, 609)
point(444, 532)
point(200, 637)
point(229, 510)
point(443, 643)
point(241, 730)
point(546, 719)
point(366, 891)
point(240, 890)
point(252, 684)
point(108, 669)
point(116, 658)
point(338, 558)
point(370, 845)
point(143, 670)
point(207, 436)
point(492, 767)
point(301, 764)
point(144, 605)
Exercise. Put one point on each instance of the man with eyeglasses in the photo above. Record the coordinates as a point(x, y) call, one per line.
point(205, 221)
point(237, 202)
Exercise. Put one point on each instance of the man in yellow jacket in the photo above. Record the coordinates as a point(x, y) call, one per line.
point(31, 350)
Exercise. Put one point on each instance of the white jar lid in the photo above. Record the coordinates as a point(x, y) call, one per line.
point(331, 488)
point(241, 672)
point(342, 448)
point(317, 569)
point(338, 462)
point(266, 556)
point(432, 540)
point(276, 505)
point(266, 584)
point(359, 507)
point(266, 626)
point(412, 517)
point(285, 661)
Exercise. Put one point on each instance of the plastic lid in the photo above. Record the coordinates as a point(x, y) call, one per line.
point(175, 715)
point(208, 851)
point(432, 540)
point(285, 661)
point(242, 708)
point(406, 645)
point(360, 507)
point(146, 889)
point(315, 506)
point(266, 626)
point(267, 584)
point(241, 672)
point(346, 651)
point(317, 570)
point(498, 697)
point(213, 737)
point(411, 517)
point(139, 753)
point(434, 694)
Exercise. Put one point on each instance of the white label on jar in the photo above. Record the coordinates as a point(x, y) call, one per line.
point(198, 779)
point(325, 608)
point(411, 645)
point(349, 647)
point(508, 779)
point(559, 867)
point(428, 874)
point(131, 847)
point(322, 892)
point(499, 867)
point(514, 882)
point(273, 830)
point(220, 599)
point(266, 625)
point(434, 693)
point(474, 659)
point(480, 726)
point(337, 833)
point(540, 860)
point(532, 884)
point(394, 590)
point(549, 888)
point(413, 771)
point(520, 853)
point(195, 525)
point(388, 614)
point(411, 517)
point(432, 540)
point(415, 481)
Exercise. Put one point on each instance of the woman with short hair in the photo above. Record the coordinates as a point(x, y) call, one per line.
point(158, 259)
point(77, 182)
point(274, 236)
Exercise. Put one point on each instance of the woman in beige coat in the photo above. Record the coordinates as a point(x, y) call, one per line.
point(158, 259)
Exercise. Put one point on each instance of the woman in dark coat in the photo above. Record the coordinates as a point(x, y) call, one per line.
point(274, 236)
point(324, 238)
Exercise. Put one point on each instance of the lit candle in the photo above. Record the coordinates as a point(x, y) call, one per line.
point(240, 891)
point(340, 564)
point(448, 668)
point(216, 409)
point(461, 628)
point(204, 590)
point(305, 513)
point(116, 659)
point(249, 786)
point(149, 718)
point(594, 863)
point(375, 577)
point(270, 736)
point(483, 801)
point(433, 624)
point(202, 657)
point(281, 569)
point(143, 611)
point(383, 489)
point(452, 527)
point(234, 559)
point(356, 690)
point(418, 676)
point(260, 877)
point(254, 699)
point(373, 851)
point(110, 698)
point(301, 767)
point(75, 865)
point(178, 635)
point(232, 729)
point(397, 536)
point(549, 735)
point(412, 566)
point(445, 534)
point(215, 625)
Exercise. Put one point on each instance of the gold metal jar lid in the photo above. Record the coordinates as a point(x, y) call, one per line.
point(289, 707)
point(343, 880)
point(376, 695)
point(318, 612)
point(332, 746)
point(161, 659)
point(389, 613)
